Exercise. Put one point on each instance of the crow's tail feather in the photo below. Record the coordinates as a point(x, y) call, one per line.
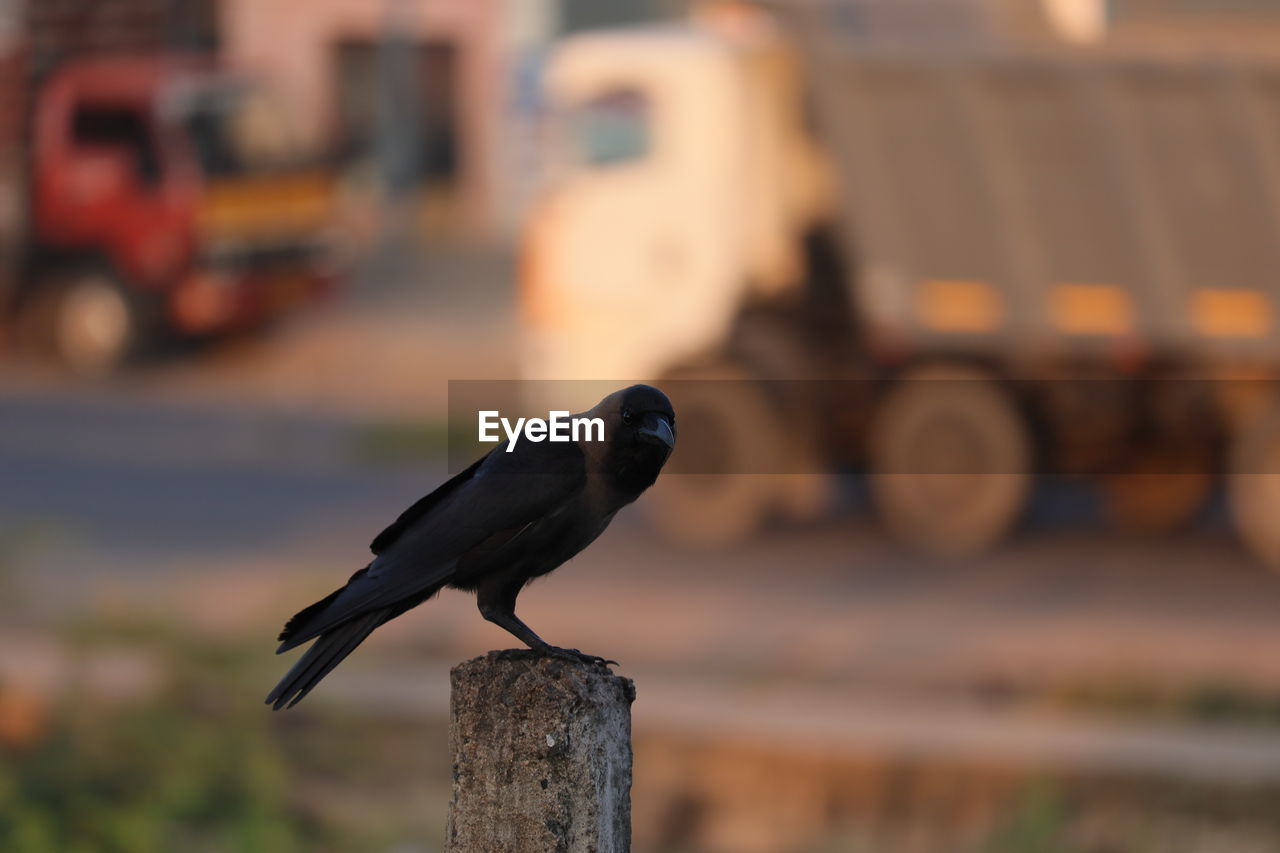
point(327, 652)
point(299, 627)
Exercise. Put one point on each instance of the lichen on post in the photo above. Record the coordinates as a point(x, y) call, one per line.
point(541, 756)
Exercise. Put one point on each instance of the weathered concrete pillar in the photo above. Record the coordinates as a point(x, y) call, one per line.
point(541, 756)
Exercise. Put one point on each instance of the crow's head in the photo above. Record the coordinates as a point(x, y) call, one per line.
point(640, 430)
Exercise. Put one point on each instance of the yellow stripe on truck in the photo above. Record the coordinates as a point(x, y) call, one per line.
point(1231, 313)
point(269, 204)
point(959, 305)
point(1091, 309)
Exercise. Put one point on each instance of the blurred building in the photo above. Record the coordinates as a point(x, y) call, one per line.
point(405, 88)
point(1201, 24)
point(438, 100)
point(1229, 24)
point(572, 15)
point(59, 27)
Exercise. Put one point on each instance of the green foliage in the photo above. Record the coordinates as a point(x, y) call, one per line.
point(1227, 703)
point(195, 768)
point(1222, 703)
point(1036, 825)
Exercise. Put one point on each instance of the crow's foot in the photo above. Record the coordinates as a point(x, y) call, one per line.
point(579, 657)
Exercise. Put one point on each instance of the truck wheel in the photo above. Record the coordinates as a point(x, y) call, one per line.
point(727, 426)
point(950, 461)
point(89, 323)
point(1253, 486)
point(773, 350)
point(1159, 492)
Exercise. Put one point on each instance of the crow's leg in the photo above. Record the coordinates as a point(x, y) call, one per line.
point(497, 604)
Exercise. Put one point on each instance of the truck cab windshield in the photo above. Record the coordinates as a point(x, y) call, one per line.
point(608, 129)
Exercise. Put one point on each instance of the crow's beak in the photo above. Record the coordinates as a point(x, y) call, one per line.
point(656, 430)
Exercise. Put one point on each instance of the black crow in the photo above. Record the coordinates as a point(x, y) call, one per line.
point(509, 518)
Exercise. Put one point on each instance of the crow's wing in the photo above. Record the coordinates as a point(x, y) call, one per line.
point(422, 506)
point(496, 497)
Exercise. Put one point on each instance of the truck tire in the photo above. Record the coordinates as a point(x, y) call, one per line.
point(770, 347)
point(88, 322)
point(950, 457)
point(1160, 491)
point(1253, 487)
point(704, 499)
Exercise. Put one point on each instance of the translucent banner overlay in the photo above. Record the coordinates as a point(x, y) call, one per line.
point(939, 426)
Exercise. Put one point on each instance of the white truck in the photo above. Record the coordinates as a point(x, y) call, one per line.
point(954, 267)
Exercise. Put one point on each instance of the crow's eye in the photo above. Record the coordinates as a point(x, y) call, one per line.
point(626, 416)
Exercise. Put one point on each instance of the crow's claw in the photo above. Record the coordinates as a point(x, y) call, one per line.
point(580, 657)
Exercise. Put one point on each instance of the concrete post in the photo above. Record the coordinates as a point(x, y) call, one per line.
point(541, 756)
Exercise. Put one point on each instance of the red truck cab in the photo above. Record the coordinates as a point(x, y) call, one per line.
point(166, 199)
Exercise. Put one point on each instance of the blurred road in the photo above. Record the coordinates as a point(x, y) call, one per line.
point(226, 490)
point(226, 517)
point(255, 451)
point(120, 492)
point(147, 481)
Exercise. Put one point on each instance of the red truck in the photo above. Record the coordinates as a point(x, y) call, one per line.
point(147, 194)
